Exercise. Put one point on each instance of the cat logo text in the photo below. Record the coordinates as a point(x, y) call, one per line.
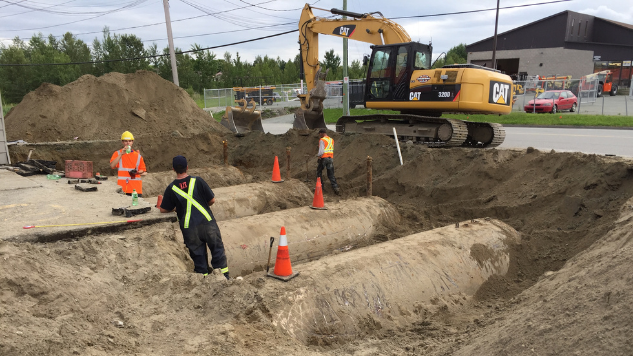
point(499, 93)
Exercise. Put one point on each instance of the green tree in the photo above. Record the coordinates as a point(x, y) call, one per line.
point(333, 63)
point(455, 55)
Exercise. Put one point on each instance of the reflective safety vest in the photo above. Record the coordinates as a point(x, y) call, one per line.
point(190, 201)
point(125, 180)
point(328, 143)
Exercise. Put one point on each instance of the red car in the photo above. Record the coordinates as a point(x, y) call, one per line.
point(553, 101)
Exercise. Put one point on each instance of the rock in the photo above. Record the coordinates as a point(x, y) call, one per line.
point(140, 112)
point(118, 323)
point(530, 150)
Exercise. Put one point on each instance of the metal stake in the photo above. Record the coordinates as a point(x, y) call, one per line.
point(369, 176)
point(226, 152)
point(288, 163)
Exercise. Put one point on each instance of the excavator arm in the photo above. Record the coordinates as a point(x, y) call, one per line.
point(362, 27)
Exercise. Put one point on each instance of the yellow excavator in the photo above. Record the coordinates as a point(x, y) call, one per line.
point(400, 78)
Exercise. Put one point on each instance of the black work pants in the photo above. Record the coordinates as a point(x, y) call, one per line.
point(197, 238)
point(328, 164)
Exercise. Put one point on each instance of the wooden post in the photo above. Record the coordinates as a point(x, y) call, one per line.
point(369, 177)
point(288, 163)
point(307, 156)
point(226, 153)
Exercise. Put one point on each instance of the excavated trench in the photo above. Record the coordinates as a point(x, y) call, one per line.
point(449, 228)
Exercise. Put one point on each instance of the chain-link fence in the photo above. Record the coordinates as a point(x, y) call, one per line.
point(532, 95)
point(271, 95)
point(581, 96)
point(282, 95)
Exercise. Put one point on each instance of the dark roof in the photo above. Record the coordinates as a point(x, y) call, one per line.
point(520, 27)
point(629, 26)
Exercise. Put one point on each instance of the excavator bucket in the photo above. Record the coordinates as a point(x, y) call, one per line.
point(242, 120)
point(308, 120)
point(310, 115)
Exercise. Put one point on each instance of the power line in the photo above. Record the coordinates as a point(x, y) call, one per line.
point(12, 3)
point(232, 31)
point(288, 23)
point(261, 7)
point(136, 2)
point(61, 12)
point(162, 23)
point(143, 57)
point(221, 32)
point(24, 12)
point(474, 11)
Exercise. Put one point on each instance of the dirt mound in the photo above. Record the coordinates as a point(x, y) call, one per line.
point(92, 108)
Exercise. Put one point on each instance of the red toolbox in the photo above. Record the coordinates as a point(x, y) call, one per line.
point(78, 169)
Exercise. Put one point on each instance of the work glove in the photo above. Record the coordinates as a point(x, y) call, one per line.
point(133, 173)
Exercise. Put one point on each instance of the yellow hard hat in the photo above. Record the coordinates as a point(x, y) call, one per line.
point(127, 135)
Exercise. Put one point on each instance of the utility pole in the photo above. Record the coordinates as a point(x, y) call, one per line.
point(345, 77)
point(494, 42)
point(170, 38)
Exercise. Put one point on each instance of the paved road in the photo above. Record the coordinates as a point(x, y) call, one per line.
point(586, 140)
point(617, 142)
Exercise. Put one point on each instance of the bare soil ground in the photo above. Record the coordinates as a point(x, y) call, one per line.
point(568, 290)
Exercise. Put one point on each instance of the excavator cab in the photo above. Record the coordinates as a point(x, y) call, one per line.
point(390, 69)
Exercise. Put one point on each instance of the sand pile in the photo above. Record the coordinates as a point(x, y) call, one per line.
point(92, 108)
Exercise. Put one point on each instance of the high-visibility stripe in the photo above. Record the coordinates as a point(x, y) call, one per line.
point(138, 163)
point(328, 151)
point(224, 270)
point(190, 201)
point(127, 179)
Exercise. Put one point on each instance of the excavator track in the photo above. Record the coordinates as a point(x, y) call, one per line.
point(484, 134)
point(433, 131)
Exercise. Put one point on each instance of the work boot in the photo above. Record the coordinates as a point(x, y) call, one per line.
point(337, 191)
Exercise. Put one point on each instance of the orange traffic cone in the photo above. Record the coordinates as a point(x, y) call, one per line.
point(283, 268)
point(276, 174)
point(317, 202)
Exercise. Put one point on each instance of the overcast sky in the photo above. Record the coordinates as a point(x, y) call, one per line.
point(240, 21)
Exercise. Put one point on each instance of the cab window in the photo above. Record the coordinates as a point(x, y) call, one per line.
point(380, 66)
point(422, 60)
point(401, 62)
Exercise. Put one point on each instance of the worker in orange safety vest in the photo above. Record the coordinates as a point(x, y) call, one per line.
point(326, 159)
point(130, 166)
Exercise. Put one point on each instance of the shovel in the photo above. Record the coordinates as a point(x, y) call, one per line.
point(270, 253)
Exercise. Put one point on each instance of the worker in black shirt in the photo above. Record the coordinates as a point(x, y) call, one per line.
point(191, 197)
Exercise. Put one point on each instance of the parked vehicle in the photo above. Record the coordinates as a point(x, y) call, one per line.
point(553, 101)
point(604, 80)
point(267, 94)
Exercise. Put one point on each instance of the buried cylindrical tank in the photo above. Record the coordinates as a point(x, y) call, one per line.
point(311, 233)
point(216, 176)
point(389, 285)
point(258, 198)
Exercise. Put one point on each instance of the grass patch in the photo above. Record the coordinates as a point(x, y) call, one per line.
point(6, 108)
point(218, 115)
point(558, 119)
point(515, 118)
